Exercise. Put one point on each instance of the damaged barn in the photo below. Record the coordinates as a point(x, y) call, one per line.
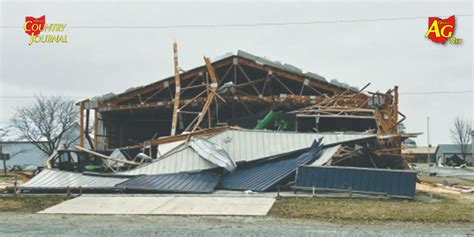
point(241, 121)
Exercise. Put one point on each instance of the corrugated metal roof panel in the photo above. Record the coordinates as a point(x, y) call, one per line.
point(292, 69)
point(56, 179)
point(240, 53)
point(183, 160)
point(164, 149)
point(266, 175)
point(325, 156)
point(175, 183)
point(243, 146)
point(399, 183)
point(212, 153)
point(249, 145)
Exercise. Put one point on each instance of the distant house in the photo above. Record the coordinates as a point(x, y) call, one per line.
point(450, 153)
point(409, 143)
point(419, 154)
point(22, 153)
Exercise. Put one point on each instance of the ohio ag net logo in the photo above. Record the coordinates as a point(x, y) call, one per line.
point(40, 32)
point(442, 30)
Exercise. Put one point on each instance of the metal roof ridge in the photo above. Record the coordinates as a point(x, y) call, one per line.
point(295, 132)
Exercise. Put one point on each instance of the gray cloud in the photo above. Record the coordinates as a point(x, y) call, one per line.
point(387, 53)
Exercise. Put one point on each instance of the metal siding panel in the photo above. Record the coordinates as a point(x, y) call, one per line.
point(365, 181)
point(331, 178)
point(312, 177)
point(380, 182)
point(184, 160)
point(398, 180)
point(178, 183)
point(245, 147)
point(354, 179)
point(341, 181)
point(349, 178)
point(264, 176)
point(319, 177)
point(390, 182)
point(326, 155)
point(398, 183)
point(55, 179)
point(412, 184)
point(337, 182)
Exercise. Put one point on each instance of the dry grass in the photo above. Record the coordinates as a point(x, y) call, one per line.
point(441, 209)
point(28, 204)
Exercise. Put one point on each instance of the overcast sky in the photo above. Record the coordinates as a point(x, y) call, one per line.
point(385, 53)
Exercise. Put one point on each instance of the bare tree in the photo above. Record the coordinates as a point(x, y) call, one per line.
point(4, 133)
point(461, 135)
point(47, 122)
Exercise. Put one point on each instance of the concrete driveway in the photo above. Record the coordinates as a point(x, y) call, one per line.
point(164, 205)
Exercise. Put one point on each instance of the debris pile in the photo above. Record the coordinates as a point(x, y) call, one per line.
point(240, 122)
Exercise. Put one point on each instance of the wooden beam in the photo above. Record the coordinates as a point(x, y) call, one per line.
point(282, 84)
point(212, 92)
point(248, 79)
point(304, 99)
point(105, 157)
point(177, 93)
point(188, 75)
point(194, 99)
point(291, 76)
point(96, 127)
point(81, 123)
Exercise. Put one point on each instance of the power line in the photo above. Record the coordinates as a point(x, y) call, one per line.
point(245, 24)
point(436, 92)
point(401, 93)
point(33, 97)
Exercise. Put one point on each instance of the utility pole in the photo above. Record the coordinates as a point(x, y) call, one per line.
point(4, 158)
point(429, 145)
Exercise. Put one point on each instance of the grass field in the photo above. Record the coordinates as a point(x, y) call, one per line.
point(426, 209)
point(436, 209)
point(28, 204)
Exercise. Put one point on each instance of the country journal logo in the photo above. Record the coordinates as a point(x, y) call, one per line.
point(41, 32)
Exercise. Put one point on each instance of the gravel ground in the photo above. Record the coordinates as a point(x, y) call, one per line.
point(88, 225)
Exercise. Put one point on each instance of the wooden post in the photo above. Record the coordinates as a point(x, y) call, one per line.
point(350, 192)
point(81, 123)
point(212, 92)
point(395, 140)
point(4, 160)
point(68, 192)
point(177, 81)
point(96, 127)
point(15, 187)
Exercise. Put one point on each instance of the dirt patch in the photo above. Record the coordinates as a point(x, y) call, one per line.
point(28, 204)
point(432, 209)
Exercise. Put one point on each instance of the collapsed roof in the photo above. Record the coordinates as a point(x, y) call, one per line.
point(239, 122)
point(237, 90)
